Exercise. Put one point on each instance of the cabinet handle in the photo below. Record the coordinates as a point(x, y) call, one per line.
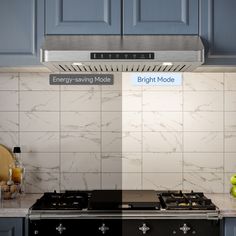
point(60, 228)
point(144, 228)
point(185, 228)
point(103, 228)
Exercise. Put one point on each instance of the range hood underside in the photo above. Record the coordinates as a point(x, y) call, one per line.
point(163, 53)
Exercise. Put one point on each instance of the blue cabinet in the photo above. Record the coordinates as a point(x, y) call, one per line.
point(218, 30)
point(21, 25)
point(161, 16)
point(230, 227)
point(83, 16)
point(11, 226)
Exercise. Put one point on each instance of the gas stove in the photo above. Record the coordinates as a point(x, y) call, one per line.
point(112, 211)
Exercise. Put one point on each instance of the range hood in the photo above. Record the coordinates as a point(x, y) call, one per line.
point(131, 53)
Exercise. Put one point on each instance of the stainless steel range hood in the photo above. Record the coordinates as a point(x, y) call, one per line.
point(109, 53)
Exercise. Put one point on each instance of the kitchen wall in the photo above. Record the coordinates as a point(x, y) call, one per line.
point(87, 137)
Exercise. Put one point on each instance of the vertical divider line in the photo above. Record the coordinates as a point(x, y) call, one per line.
point(142, 137)
point(122, 18)
point(183, 131)
point(18, 135)
point(59, 110)
point(223, 132)
point(101, 151)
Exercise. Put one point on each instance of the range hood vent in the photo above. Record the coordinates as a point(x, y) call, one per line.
point(122, 53)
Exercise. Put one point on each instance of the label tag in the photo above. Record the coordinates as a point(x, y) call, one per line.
point(81, 79)
point(157, 79)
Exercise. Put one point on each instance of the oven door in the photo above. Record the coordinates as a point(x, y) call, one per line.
point(128, 227)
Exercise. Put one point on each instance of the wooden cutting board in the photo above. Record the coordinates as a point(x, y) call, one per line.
point(6, 159)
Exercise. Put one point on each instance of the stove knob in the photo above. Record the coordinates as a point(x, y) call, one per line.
point(60, 228)
point(144, 228)
point(185, 228)
point(103, 228)
point(36, 232)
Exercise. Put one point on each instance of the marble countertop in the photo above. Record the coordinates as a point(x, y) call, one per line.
point(225, 202)
point(19, 207)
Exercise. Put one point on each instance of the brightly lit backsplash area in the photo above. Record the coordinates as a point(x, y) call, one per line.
point(144, 131)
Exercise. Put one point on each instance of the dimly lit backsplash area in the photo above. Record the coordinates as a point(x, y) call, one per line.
point(122, 136)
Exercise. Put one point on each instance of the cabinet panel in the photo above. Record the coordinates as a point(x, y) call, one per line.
point(161, 17)
point(230, 227)
point(11, 226)
point(218, 30)
point(83, 16)
point(21, 25)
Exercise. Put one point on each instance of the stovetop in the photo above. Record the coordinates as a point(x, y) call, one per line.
point(110, 200)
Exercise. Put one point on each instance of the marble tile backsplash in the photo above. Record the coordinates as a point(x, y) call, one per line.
point(122, 136)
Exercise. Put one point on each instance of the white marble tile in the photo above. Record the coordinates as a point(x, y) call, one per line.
point(230, 162)
point(131, 141)
point(112, 142)
point(203, 121)
point(112, 101)
point(132, 181)
point(203, 101)
point(80, 181)
point(127, 84)
point(9, 121)
point(80, 101)
point(80, 162)
point(41, 162)
point(112, 121)
point(131, 101)
point(80, 142)
point(162, 181)
point(132, 121)
point(39, 141)
point(162, 121)
point(111, 181)
point(36, 81)
point(203, 81)
point(9, 139)
point(39, 101)
point(9, 100)
point(204, 182)
point(230, 100)
point(9, 81)
point(38, 182)
point(203, 162)
point(228, 185)
point(115, 163)
point(230, 81)
point(162, 101)
point(230, 141)
point(203, 141)
point(162, 142)
point(39, 121)
point(162, 162)
point(80, 121)
point(230, 121)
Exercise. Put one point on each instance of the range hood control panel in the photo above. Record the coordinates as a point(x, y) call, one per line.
point(122, 56)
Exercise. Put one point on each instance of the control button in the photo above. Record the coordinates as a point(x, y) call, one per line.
point(36, 232)
point(174, 232)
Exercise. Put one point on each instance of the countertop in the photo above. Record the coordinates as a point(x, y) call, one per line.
point(19, 207)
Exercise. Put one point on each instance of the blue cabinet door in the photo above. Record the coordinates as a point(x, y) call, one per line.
point(21, 27)
point(160, 17)
point(83, 16)
point(11, 226)
point(218, 30)
point(230, 227)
